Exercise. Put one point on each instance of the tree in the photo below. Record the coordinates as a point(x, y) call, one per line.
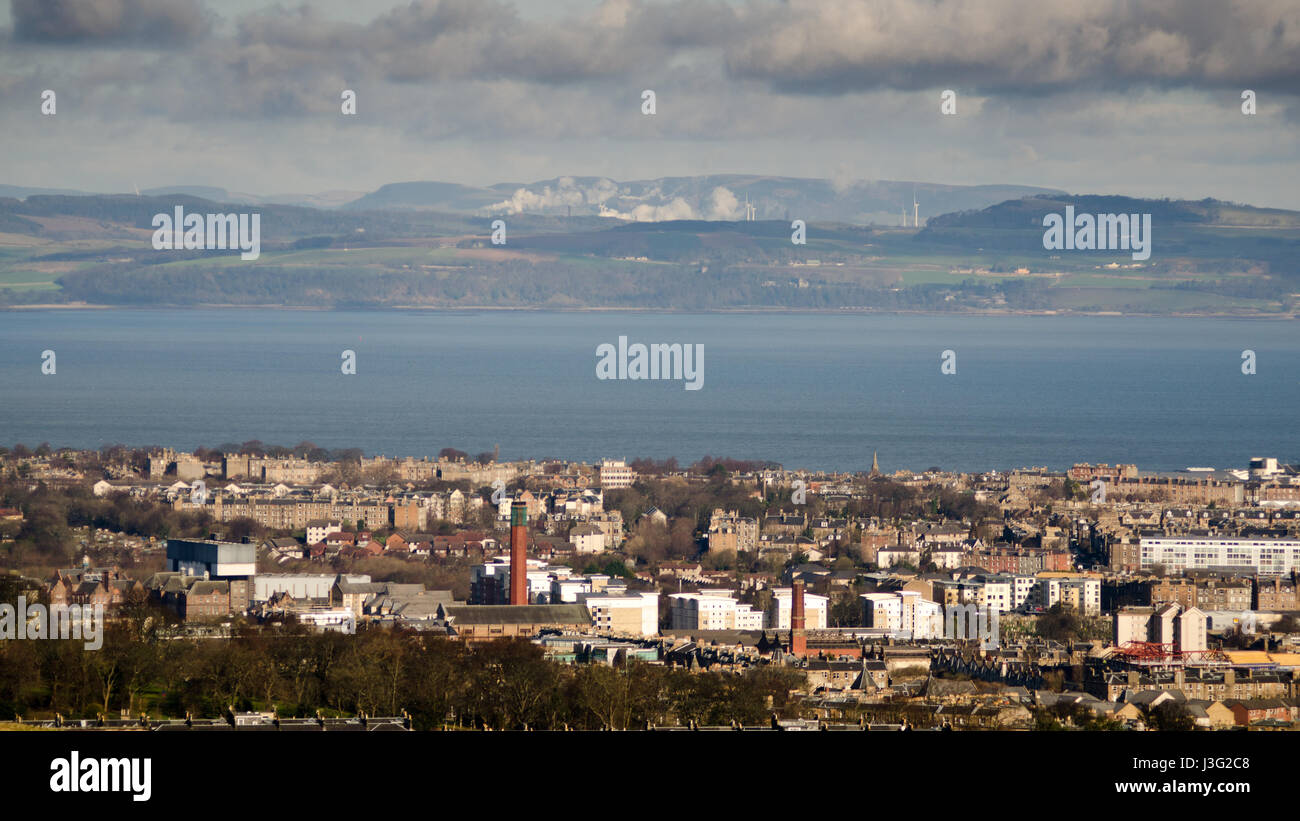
point(1060, 623)
point(1169, 716)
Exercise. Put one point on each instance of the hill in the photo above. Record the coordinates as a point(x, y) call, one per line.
point(1208, 257)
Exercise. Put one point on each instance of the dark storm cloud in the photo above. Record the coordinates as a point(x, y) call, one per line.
point(145, 22)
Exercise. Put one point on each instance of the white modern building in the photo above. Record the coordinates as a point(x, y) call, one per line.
point(1083, 593)
point(1180, 630)
point(318, 529)
point(297, 585)
point(997, 593)
point(219, 560)
point(330, 619)
point(778, 613)
point(883, 611)
point(615, 474)
point(712, 610)
point(1253, 554)
point(906, 614)
point(635, 613)
point(1264, 467)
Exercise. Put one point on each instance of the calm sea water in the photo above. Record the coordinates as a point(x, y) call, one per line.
point(815, 391)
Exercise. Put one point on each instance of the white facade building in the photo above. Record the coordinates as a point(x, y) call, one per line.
point(778, 613)
point(1266, 557)
point(318, 530)
point(297, 585)
point(905, 613)
point(1082, 593)
point(623, 612)
point(712, 610)
point(615, 474)
point(883, 611)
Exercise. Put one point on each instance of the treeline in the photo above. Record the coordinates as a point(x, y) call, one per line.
point(505, 684)
point(49, 514)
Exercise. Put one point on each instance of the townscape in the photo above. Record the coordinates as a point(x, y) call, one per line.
point(640, 594)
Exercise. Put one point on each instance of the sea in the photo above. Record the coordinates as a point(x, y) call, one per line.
point(805, 390)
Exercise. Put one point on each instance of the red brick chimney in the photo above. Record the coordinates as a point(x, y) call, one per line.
point(798, 640)
point(518, 554)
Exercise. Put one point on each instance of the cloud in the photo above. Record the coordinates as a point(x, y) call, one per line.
point(151, 23)
point(1008, 46)
point(478, 91)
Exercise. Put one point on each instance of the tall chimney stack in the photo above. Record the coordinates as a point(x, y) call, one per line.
point(798, 639)
point(518, 553)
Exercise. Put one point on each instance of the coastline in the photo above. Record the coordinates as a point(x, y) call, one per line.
point(83, 306)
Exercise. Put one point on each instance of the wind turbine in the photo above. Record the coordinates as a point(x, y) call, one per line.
point(916, 210)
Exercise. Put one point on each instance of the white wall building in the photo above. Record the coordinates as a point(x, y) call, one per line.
point(587, 539)
point(623, 612)
point(778, 613)
point(906, 614)
point(996, 594)
point(615, 474)
point(318, 529)
point(297, 585)
point(883, 611)
point(712, 610)
point(1267, 557)
point(1082, 593)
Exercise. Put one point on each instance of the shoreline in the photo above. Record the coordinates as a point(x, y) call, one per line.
point(82, 306)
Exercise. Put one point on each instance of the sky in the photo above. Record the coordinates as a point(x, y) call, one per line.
point(1105, 96)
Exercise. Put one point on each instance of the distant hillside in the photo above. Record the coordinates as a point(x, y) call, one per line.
point(22, 191)
point(439, 196)
point(61, 217)
point(1202, 229)
point(1207, 257)
point(714, 197)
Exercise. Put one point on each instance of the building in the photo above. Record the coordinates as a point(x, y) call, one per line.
point(297, 585)
point(615, 474)
point(882, 611)
point(318, 529)
point(905, 614)
point(778, 612)
point(1276, 594)
point(475, 623)
point(1252, 555)
point(212, 560)
point(1082, 593)
point(1180, 630)
point(712, 610)
point(328, 619)
point(1218, 594)
point(624, 613)
point(731, 532)
point(587, 539)
point(490, 581)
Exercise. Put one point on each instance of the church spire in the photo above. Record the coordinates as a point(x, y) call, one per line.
point(875, 464)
